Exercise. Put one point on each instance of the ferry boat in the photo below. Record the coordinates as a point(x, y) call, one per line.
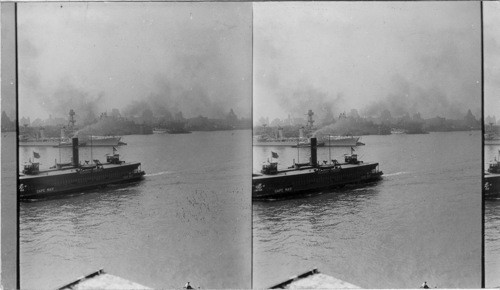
point(66, 178)
point(312, 176)
point(492, 179)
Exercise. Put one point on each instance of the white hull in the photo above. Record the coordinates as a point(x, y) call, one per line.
point(333, 142)
point(40, 143)
point(104, 141)
point(159, 131)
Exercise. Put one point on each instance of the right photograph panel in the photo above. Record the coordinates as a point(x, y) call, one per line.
point(491, 28)
point(367, 145)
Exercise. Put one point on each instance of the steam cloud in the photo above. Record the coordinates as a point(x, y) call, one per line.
point(189, 57)
point(306, 60)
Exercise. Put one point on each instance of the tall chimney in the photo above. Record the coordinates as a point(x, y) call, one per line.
point(280, 133)
point(314, 158)
point(75, 152)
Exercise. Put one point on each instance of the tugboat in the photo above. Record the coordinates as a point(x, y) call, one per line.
point(70, 177)
point(312, 176)
point(492, 179)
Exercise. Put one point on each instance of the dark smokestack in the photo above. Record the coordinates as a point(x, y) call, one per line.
point(75, 152)
point(314, 159)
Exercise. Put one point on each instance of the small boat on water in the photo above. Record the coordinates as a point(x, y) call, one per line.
point(70, 177)
point(272, 183)
point(492, 179)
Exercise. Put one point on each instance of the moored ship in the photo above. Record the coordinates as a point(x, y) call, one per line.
point(312, 176)
point(335, 141)
point(341, 141)
point(95, 141)
point(158, 130)
point(38, 142)
point(492, 179)
point(302, 141)
point(64, 140)
point(66, 178)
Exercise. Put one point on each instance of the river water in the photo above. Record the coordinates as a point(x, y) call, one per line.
point(422, 222)
point(188, 220)
point(491, 229)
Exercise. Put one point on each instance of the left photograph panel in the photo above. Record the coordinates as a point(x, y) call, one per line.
point(9, 223)
point(134, 144)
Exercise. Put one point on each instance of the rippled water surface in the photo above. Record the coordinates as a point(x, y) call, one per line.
point(422, 222)
point(188, 220)
point(491, 229)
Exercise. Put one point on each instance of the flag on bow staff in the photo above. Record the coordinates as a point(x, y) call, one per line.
point(274, 154)
point(36, 155)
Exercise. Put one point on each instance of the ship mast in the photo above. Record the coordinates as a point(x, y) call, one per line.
point(91, 158)
point(329, 149)
point(298, 150)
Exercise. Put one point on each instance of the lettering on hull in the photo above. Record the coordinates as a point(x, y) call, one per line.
point(43, 190)
point(285, 189)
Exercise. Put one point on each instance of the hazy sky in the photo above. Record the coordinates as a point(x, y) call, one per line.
point(491, 58)
point(414, 56)
point(193, 57)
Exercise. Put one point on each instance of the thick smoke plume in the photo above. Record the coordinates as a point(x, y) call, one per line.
point(407, 97)
point(193, 58)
